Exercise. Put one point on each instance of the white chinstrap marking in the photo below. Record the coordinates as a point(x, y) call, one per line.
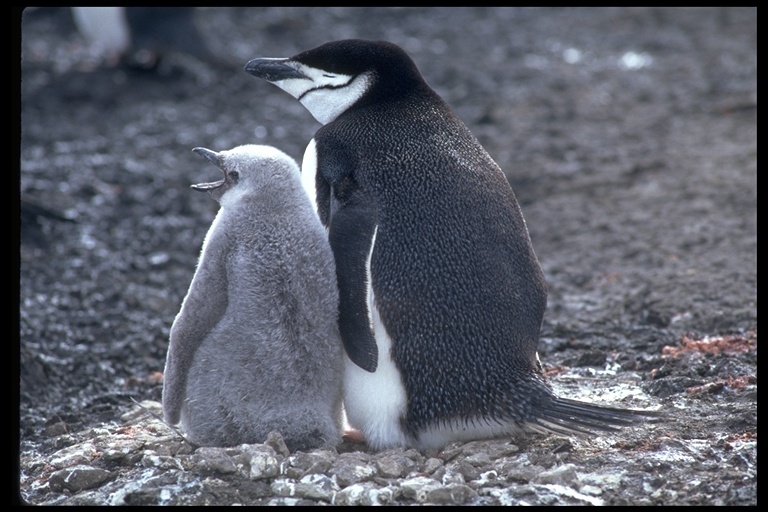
point(324, 94)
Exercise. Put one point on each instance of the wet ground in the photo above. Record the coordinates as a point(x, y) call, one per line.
point(628, 135)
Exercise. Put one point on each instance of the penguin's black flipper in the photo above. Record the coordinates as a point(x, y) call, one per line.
point(351, 235)
point(565, 416)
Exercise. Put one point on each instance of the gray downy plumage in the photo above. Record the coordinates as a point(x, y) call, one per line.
point(255, 346)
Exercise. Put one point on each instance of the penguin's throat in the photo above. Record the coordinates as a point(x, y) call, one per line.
point(327, 101)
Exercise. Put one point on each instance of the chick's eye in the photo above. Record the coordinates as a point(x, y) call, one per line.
point(234, 175)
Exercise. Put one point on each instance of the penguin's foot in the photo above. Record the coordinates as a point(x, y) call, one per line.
point(353, 435)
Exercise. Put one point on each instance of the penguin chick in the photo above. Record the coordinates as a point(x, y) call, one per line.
point(441, 294)
point(255, 346)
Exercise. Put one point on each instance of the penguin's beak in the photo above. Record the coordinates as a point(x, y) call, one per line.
point(217, 160)
point(273, 70)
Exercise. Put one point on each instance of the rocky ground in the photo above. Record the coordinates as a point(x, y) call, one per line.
point(630, 138)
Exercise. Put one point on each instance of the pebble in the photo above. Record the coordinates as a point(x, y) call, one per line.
point(78, 478)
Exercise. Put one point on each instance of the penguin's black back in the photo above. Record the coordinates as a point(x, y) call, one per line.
point(455, 277)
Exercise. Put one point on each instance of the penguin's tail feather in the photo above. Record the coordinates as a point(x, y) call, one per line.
point(565, 416)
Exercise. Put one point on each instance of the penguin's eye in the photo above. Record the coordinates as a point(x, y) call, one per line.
point(234, 176)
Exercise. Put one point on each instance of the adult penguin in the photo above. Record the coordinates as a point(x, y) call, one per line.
point(441, 293)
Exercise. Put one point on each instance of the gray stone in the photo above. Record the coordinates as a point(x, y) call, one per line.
point(418, 488)
point(143, 410)
point(312, 487)
point(488, 478)
point(78, 478)
point(207, 461)
point(150, 459)
point(300, 464)
point(275, 440)
point(431, 465)
point(261, 462)
point(395, 465)
point(562, 475)
point(365, 493)
point(450, 451)
point(522, 473)
point(463, 467)
point(452, 476)
point(452, 494)
point(80, 453)
point(478, 459)
point(56, 429)
point(121, 449)
point(351, 470)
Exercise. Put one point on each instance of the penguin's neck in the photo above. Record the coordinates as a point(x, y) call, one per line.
point(326, 103)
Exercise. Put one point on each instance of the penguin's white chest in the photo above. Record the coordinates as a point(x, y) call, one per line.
point(309, 172)
point(376, 402)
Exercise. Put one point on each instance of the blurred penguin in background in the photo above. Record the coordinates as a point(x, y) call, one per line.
point(140, 36)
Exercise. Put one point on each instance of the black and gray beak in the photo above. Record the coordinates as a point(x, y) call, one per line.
point(217, 160)
point(273, 70)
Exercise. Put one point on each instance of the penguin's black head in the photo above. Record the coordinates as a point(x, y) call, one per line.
point(338, 75)
point(356, 56)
